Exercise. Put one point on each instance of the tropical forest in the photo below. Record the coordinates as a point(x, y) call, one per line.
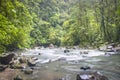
point(59, 39)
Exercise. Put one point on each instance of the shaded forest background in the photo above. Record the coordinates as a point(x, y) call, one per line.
point(29, 23)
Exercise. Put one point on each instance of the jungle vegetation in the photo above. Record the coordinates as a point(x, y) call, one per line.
point(29, 23)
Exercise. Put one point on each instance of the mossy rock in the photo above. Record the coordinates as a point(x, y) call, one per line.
point(23, 60)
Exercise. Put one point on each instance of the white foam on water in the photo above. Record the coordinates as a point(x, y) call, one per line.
point(95, 53)
point(50, 55)
point(84, 77)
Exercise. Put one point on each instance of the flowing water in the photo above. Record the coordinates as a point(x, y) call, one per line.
point(53, 64)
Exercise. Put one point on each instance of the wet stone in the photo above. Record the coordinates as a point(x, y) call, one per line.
point(92, 76)
point(85, 68)
point(18, 77)
point(28, 71)
point(66, 51)
point(31, 63)
point(23, 60)
point(7, 58)
point(3, 67)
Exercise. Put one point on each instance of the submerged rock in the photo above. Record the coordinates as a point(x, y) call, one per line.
point(85, 68)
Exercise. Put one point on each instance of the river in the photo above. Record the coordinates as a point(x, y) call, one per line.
point(53, 64)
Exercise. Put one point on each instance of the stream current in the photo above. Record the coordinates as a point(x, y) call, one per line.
point(53, 64)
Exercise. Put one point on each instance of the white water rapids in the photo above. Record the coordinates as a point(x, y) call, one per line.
point(49, 55)
point(55, 63)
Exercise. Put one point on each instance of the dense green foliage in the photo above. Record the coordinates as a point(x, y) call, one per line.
point(15, 25)
point(94, 22)
point(29, 23)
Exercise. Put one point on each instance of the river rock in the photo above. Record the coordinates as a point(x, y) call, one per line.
point(66, 50)
point(117, 49)
point(31, 63)
point(6, 59)
point(3, 67)
point(18, 66)
point(51, 46)
point(109, 50)
point(23, 60)
point(39, 53)
point(28, 71)
point(62, 59)
point(85, 68)
point(102, 78)
point(85, 52)
point(78, 77)
point(91, 76)
point(86, 77)
point(18, 77)
point(34, 58)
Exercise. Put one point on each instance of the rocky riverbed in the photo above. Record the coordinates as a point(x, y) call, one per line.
point(59, 64)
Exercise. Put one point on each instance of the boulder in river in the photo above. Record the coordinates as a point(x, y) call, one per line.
point(18, 66)
point(6, 59)
point(85, 68)
point(66, 50)
point(23, 60)
point(28, 71)
point(51, 46)
point(18, 77)
point(117, 49)
point(3, 67)
point(31, 63)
